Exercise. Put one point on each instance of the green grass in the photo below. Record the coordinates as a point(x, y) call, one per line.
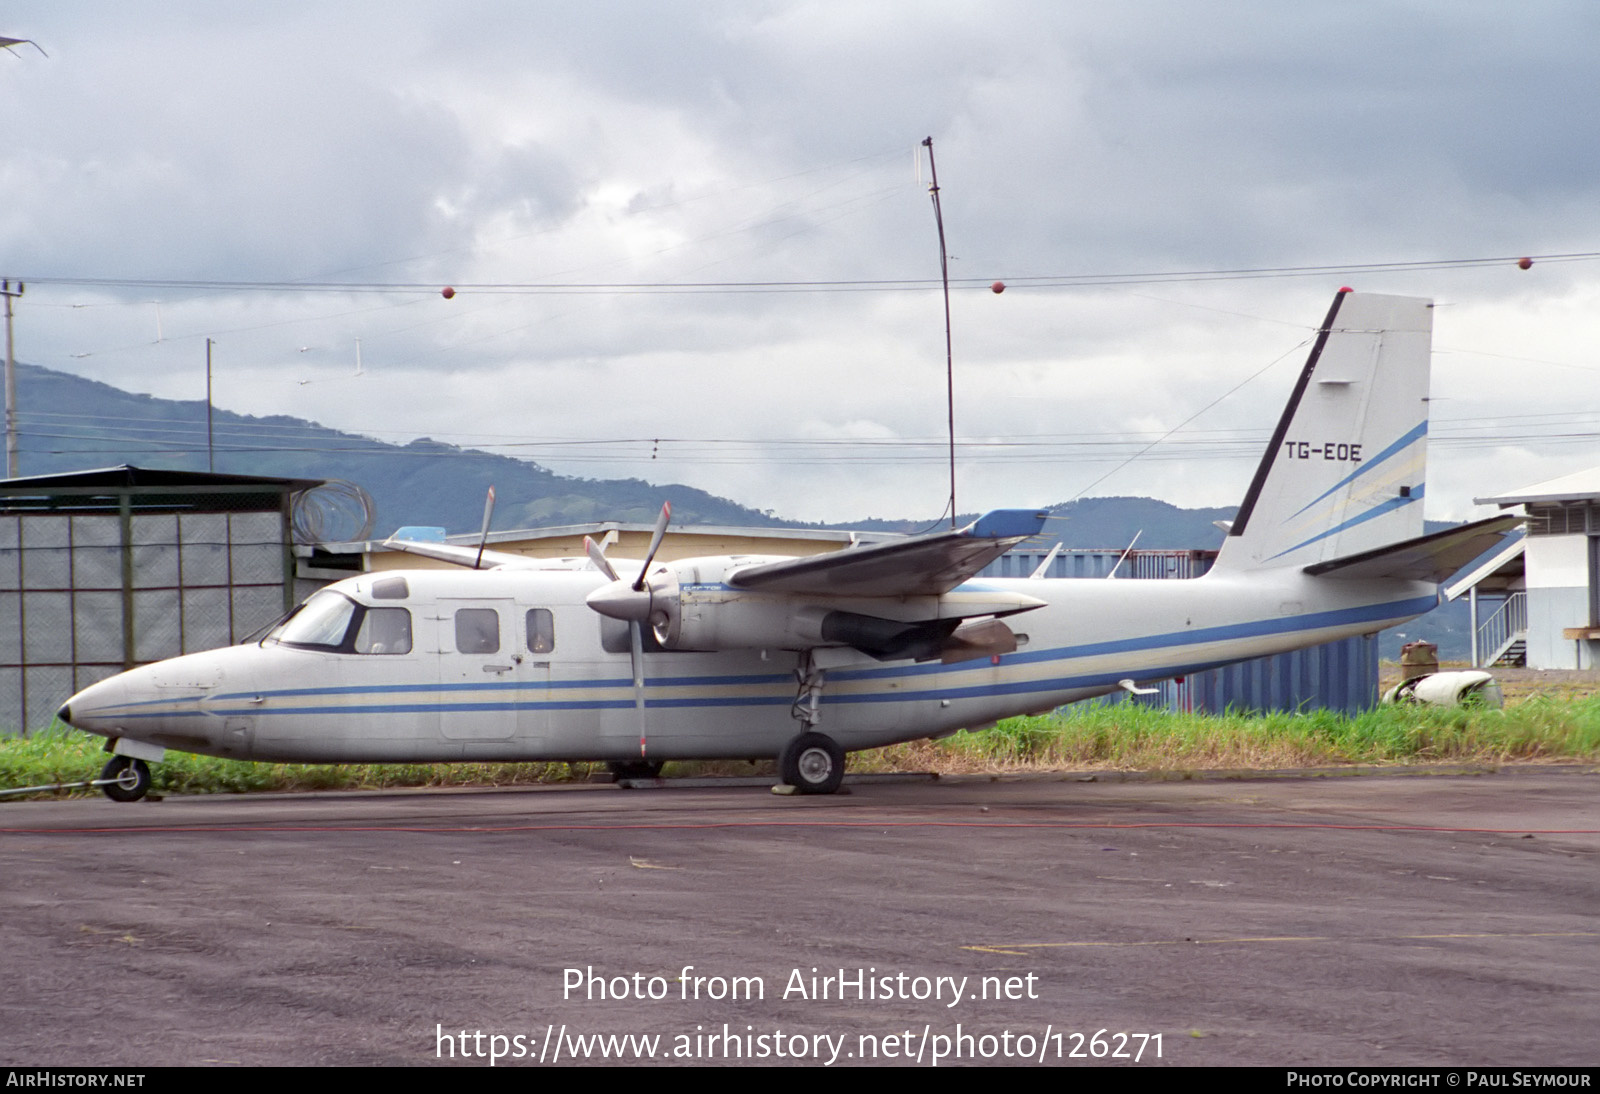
point(1135, 738)
point(60, 754)
point(1123, 737)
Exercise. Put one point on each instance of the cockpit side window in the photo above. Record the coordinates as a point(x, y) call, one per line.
point(384, 630)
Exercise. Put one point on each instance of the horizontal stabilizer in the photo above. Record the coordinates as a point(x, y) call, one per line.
point(919, 566)
point(1432, 557)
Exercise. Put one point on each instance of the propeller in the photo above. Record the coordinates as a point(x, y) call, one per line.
point(621, 600)
point(630, 603)
point(488, 512)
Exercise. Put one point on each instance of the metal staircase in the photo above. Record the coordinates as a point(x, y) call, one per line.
point(1505, 633)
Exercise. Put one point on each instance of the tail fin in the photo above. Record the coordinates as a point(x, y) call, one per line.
point(1344, 471)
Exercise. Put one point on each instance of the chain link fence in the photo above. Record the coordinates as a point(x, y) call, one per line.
point(86, 595)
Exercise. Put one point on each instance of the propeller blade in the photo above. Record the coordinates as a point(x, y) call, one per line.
point(655, 542)
point(625, 604)
point(597, 555)
point(483, 539)
point(636, 653)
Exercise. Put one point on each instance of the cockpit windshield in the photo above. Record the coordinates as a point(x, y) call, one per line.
point(323, 620)
point(332, 621)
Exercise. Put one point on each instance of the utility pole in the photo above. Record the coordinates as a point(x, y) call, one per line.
point(211, 459)
point(11, 381)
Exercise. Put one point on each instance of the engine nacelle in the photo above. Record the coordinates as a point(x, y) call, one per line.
point(690, 612)
point(690, 606)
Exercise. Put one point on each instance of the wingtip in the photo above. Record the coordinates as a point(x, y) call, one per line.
point(1008, 524)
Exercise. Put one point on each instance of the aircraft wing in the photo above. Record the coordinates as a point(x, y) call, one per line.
point(920, 566)
point(1432, 557)
point(468, 556)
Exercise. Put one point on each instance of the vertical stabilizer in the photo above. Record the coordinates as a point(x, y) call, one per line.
point(1344, 470)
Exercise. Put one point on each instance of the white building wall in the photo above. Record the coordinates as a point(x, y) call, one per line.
point(1557, 562)
point(1549, 610)
point(1558, 597)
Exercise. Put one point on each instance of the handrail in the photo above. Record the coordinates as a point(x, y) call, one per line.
point(1508, 622)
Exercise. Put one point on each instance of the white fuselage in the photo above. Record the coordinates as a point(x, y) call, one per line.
point(565, 696)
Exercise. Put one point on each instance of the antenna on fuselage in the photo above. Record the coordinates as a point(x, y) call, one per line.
point(1124, 556)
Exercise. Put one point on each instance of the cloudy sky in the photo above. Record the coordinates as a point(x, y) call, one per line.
point(693, 242)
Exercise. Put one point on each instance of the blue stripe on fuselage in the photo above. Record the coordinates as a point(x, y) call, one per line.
point(1374, 613)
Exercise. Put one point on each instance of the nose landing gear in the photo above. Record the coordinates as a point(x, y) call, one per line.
point(128, 779)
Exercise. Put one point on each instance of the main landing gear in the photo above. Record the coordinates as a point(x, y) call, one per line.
point(634, 769)
point(129, 779)
point(812, 763)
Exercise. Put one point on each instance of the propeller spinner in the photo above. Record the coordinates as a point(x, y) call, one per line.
point(631, 602)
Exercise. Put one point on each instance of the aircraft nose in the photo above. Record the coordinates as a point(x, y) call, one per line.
point(86, 709)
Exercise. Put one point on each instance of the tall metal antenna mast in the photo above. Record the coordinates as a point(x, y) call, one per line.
point(949, 355)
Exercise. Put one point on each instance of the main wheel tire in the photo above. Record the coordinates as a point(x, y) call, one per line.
point(132, 779)
point(634, 769)
point(812, 763)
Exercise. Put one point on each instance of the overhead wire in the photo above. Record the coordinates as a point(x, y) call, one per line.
point(1084, 280)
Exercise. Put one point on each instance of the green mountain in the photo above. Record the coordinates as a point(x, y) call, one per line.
point(424, 482)
point(430, 483)
point(68, 423)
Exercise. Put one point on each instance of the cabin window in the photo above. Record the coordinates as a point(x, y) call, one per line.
point(477, 630)
point(541, 631)
point(323, 620)
point(384, 630)
point(390, 588)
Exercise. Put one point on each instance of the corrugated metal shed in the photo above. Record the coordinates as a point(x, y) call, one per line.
point(106, 569)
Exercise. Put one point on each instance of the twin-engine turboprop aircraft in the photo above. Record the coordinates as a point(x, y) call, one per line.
point(635, 663)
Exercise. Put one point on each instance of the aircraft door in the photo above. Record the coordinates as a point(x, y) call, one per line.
point(536, 630)
point(481, 669)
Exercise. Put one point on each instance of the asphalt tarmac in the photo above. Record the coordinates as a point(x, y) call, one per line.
point(1394, 920)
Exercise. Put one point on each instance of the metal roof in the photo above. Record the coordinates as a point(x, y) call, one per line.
point(145, 490)
point(128, 476)
point(1578, 486)
point(1496, 571)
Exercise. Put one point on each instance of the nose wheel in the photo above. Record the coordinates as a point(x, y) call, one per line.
point(128, 779)
point(812, 763)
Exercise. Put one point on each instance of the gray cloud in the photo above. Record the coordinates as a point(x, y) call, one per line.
point(685, 142)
